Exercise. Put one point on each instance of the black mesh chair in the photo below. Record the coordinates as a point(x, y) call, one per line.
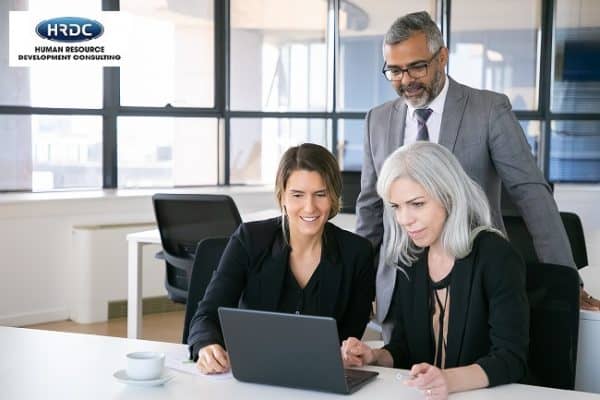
point(350, 191)
point(553, 293)
point(183, 221)
point(521, 239)
point(574, 230)
point(207, 258)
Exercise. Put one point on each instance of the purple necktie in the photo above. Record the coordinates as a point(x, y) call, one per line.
point(422, 117)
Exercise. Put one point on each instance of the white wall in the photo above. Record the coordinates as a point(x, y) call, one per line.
point(585, 202)
point(36, 232)
point(96, 275)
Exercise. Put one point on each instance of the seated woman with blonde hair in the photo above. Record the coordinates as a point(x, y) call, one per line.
point(462, 315)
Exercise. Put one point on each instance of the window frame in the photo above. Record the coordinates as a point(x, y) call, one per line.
point(112, 109)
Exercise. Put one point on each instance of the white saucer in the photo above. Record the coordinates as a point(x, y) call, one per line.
point(121, 376)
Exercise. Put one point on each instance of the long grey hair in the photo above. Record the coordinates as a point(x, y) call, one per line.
point(438, 171)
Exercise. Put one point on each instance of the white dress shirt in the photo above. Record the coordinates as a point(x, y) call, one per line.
point(433, 122)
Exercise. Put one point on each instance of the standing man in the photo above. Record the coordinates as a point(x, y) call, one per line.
point(478, 126)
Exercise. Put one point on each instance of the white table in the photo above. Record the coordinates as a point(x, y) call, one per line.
point(136, 242)
point(38, 365)
point(587, 375)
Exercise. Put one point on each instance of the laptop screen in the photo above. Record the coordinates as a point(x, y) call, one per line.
point(284, 349)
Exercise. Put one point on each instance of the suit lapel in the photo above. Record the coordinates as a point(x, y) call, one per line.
point(460, 293)
point(330, 273)
point(272, 274)
point(397, 126)
point(452, 116)
point(422, 313)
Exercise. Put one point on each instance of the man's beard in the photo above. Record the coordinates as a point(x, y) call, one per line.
point(429, 92)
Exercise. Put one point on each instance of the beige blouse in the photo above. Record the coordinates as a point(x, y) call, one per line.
point(440, 300)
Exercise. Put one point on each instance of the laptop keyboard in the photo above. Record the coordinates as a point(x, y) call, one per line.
point(355, 377)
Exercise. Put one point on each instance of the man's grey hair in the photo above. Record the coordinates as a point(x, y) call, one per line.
point(406, 26)
point(438, 171)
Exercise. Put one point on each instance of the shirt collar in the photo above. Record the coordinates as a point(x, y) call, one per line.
point(437, 105)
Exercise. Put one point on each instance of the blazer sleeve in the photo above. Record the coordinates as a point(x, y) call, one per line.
point(369, 206)
point(526, 185)
point(358, 310)
point(504, 284)
point(225, 289)
point(398, 344)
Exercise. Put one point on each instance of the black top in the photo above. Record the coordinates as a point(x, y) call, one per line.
point(297, 300)
point(489, 313)
point(252, 270)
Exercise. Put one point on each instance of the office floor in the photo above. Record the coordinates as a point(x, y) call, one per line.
point(164, 327)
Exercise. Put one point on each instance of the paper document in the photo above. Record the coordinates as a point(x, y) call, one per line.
point(179, 361)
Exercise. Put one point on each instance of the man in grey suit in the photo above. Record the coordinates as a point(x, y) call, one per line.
point(478, 126)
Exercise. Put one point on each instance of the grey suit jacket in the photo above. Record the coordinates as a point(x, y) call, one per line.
point(479, 127)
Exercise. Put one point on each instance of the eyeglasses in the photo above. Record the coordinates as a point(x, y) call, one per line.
point(416, 71)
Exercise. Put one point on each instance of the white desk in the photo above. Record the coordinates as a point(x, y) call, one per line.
point(588, 347)
point(136, 241)
point(38, 365)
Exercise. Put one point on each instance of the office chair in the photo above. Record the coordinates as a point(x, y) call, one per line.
point(574, 230)
point(553, 293)
point(184, 220)
point(350, 191)
point(206, 261)
point(520, 238)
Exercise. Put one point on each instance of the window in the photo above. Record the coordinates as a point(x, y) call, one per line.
point(362, 26)
point(264, 79)
point(576, 86)
point(49, 152)
point(16, 158)
point(278, 55)
point(174, 54)
point(494, 45)
point(47, 86)
point(258, 143)
point(533, 132)
point(575, 145)
point(350, 143)
point(575, 151)
point(155, 152)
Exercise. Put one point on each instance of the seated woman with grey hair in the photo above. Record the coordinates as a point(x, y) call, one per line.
point(462, 316)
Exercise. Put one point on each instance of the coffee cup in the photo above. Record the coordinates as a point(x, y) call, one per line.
point(145, 365)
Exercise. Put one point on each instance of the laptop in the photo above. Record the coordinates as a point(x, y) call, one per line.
point(292, 350)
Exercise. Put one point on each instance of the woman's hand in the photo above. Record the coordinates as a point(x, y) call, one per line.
point(213, 359)
point(356, 354)
point(430, 380)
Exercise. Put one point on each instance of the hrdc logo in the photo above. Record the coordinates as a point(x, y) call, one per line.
point(69, 29)
point(69, 38)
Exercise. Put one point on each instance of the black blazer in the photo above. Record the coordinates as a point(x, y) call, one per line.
point(489, 313)
point(252, 270)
